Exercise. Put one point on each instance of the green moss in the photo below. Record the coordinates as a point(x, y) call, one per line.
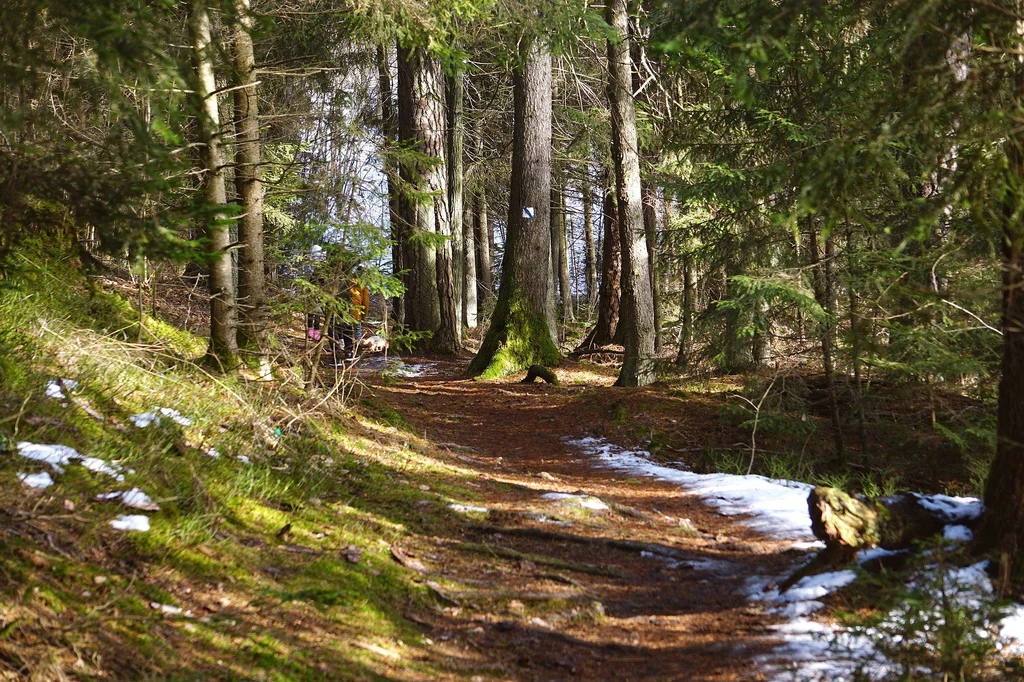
point(517, 338)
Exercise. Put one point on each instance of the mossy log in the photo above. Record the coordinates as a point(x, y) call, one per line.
point(847, 524)
point(540, 372)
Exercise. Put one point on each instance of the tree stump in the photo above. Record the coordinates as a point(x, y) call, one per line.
point(540, 372)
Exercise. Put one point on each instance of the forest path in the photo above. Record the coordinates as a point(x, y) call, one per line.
point(678, 611)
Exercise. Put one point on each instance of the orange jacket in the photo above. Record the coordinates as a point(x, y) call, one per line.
point(360, 300)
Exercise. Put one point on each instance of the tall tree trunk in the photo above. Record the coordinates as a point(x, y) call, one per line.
point(389, 128)
point(652, 199)
point(482, 234)
point(637, 316)
point(522, 330)
point(607, 330)
point(1003, 526)
point(823, 292)
point(482, 229)
point(251, 278)
point(421, 125)
point(560, 240)
point(588, 232)
point(223, 348)
point(555, 208)
point(454, 88)
point(469, 283)
point(683, 356)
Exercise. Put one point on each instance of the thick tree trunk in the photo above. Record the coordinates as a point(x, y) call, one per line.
point(421, 125)
point(607, 329)
point(588, 232)
point(389, 129)
point(251, 277)
point(652, 200)
point(1003, 526)
point(637, 315)
point(223, 348)
point(522, 330)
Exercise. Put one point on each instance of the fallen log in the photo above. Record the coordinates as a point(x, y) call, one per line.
point(847, 524)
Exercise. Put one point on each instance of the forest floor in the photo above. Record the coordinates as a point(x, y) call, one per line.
point(673, 596)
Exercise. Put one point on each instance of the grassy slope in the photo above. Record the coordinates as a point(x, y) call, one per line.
point(76, 596)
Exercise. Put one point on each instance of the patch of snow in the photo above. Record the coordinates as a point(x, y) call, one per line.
point(42, 480)
point(59, 456)
point(212, 452)
point(585, 501)
point(132, 498)
point(866, 555)
point(813, 587)
point(956, 509)
point(776, 508)
point(138, 522)
point(468, 508)
point(244, 460)
point(808, 545)
point(55, 388)
point(143, 420)
point(958, 533)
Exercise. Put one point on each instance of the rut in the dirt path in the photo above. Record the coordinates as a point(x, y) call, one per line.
point(577, 571)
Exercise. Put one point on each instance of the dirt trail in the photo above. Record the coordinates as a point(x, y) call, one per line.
point(673, 612)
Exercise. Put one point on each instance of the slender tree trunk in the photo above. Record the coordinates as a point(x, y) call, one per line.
point(223, 326)
point(588, 231)
point(421, 124)
point(823, 294)
point(469, 283)
point(607, 330)
point(637, 316)
point(555, 208)
point(454, 88)
point(559, 238)
point(251, 278)
point(685, 352)
point(482, 233)
point(857, 337)
point(389, 128)
point(1003, 526)
point(522, 330)
point(651, 212)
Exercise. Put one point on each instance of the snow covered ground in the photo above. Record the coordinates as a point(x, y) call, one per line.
point(810, 650)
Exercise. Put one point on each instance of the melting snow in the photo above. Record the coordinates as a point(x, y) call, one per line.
point(143, 420)
point(55, 388)
point(59, 456)
point(132, 498)
point(42, 480)
point(137, 522)
point(585, 501)
point(468, 508)
point(776, 508)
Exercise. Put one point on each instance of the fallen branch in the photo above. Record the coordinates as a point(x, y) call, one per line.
point(505, 553)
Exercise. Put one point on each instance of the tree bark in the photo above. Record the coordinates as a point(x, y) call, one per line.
point(450, 335)
point(389, 129)
point(482, 230)
point(421, 126)
point(223, 349)
point(588, 231)
point(522, 330)
point(469, 283)
point(685, 352)
point(607, 329)
point(651, 205)
point(1003, 526)
point(251, 277)
point(560, 245)
point(637, 315)
point(823, 294)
